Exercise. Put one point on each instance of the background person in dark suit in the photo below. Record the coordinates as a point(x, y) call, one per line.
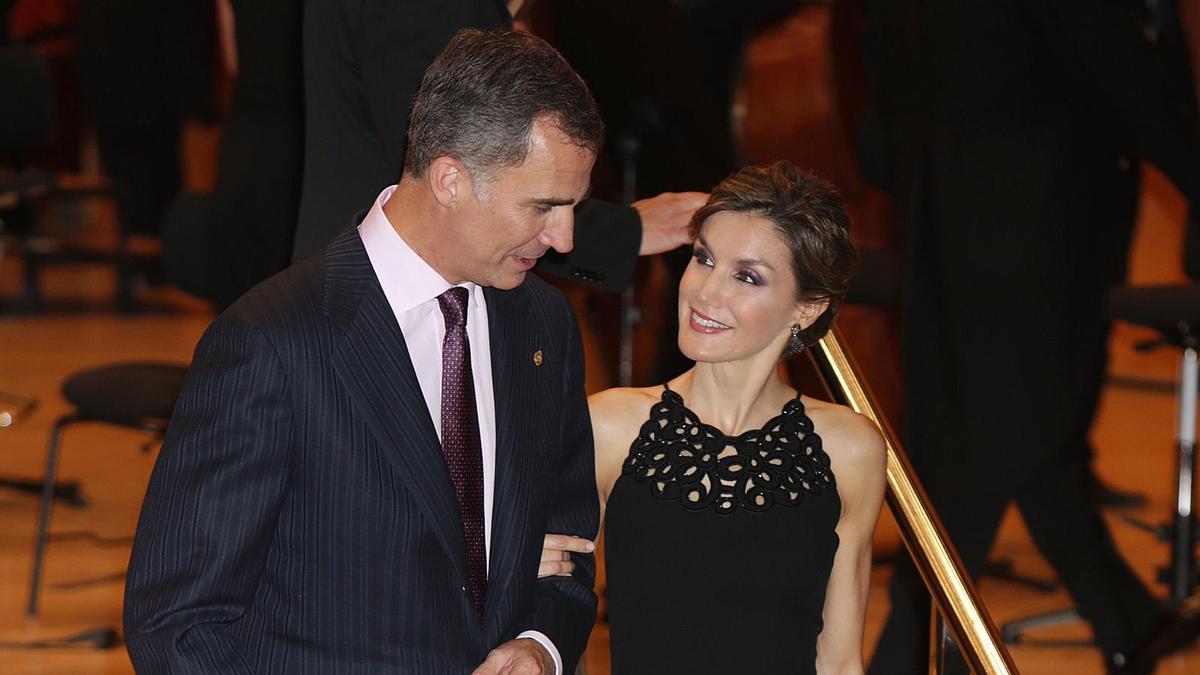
point(362, 64)
point(144, 67)
point(1011, 134)
point(302, 516)
point(260, 160)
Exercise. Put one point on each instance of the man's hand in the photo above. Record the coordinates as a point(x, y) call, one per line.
point(522, 656)
point(665, 220)
point(556, 554)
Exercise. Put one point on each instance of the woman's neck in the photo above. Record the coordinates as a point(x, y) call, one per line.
point(734, 397)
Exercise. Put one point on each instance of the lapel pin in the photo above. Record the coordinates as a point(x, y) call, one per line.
point(537, 358)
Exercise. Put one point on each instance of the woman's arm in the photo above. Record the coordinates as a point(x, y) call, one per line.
point(859, 463)
point(612, 434)
point(614, 427)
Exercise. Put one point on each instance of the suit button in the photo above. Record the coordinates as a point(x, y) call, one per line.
point(464, 589)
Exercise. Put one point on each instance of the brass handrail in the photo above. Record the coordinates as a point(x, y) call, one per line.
point(953, 593)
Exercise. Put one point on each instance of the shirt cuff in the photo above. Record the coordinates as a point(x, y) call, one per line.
point(545, 642)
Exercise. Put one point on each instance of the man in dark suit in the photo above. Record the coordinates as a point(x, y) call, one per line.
point(362, 64)
point(372, 443)
point(143, 69)
point(1011, 133)
point(260, 157)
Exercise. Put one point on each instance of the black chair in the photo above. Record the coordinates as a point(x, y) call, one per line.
point(135, 395)
point(27, 125)
point(1173, 311)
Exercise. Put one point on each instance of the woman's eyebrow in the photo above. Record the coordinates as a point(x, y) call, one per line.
point(755, 262)
point(748, 262)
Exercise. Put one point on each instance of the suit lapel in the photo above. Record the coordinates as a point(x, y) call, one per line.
point(373, 364)
point(510, 325)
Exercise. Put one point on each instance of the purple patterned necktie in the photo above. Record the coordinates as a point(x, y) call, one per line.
point(460, 436)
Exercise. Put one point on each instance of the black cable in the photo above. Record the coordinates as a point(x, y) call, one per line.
point(86, 583)
point(95, 638)
point(89, 536)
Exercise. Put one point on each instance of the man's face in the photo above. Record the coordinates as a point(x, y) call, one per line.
point(510, 219)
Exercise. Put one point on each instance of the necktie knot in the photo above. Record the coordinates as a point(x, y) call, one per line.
point(454, 307)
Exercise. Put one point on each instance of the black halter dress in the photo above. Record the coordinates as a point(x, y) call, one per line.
point(718, 563)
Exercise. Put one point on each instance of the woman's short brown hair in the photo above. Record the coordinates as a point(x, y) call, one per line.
point(810, 216)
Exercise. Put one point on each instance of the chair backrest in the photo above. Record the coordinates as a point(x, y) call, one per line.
point(27, 116)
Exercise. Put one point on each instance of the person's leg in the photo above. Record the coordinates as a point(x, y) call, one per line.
point(1110, 225)
point(1058, 500)
point(1068, 530)
point(143, 167)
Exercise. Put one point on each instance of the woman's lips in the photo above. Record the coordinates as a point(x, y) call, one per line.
point(706, 325)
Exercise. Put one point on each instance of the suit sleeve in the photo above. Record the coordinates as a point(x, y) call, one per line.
point(1104, 42)
point(607, 239)
point(564, 608)
point(209, 513)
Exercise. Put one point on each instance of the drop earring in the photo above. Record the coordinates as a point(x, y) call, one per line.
point(795, 344)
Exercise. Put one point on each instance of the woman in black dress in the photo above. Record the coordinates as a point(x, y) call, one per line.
point(739, 522)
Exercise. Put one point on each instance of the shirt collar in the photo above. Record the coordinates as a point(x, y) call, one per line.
point(407, 279)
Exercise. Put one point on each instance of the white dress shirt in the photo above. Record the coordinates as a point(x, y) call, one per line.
point(412, 288)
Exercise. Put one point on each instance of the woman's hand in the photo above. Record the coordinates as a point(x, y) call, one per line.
point(556, 554)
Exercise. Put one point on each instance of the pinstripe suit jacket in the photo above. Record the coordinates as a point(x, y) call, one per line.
point(300, 518)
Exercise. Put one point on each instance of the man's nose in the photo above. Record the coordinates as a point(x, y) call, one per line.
point(560, 232)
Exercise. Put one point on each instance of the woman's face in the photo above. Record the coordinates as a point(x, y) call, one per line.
point(737, 297)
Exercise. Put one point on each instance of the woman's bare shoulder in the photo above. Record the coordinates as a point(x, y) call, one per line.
point(852, 441)
point(617, 416)
point(621, 406)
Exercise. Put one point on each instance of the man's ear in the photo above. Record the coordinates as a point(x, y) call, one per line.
point(809, 311)
point(448, 181)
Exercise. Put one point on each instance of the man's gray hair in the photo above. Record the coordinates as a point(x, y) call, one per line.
point(480, 97)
